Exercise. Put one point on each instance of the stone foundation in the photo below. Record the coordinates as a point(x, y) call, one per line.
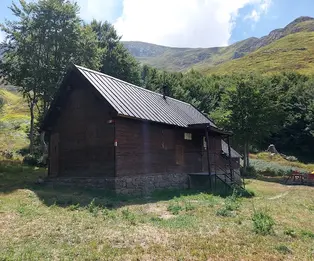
point(143, 184)
point(140, 184)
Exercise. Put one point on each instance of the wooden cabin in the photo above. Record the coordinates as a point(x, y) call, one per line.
point(109, 133)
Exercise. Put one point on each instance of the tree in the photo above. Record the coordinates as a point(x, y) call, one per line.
point(295, 95)
point(248, 111)
point(44, 38)
point(116, 60)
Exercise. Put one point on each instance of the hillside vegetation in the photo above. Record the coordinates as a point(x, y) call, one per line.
point(207, 59)
point(14, 120)
point(294, 52)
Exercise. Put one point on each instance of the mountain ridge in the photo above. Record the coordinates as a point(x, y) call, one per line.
point(181, 59)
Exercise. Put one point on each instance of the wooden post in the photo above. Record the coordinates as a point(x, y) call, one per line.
point(208, 160)
point(230, 160)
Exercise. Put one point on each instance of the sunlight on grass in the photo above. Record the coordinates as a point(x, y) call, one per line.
point(14, 120)
point(40, 222)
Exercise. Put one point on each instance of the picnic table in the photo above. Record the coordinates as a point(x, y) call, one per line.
point(295, 176)
point(300, 178)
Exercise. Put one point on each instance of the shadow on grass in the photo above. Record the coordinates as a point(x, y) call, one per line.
point(16, 176)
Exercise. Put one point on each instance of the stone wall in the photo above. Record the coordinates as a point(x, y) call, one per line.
point(140, 184)
point(146, 184)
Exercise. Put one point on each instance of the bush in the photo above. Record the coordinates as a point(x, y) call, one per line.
point(290, 232)
point(291, 158)
point(262, 223)
point(7, 154)
point(249, 172)
point(283, 249)
point(74, 207)
point(30, 160)
point(188, 206)
point(274, 169)
point(224, 212)
point(128, 215)
point(231, 204)
point(107, 213)
point(174, 208)
point(24, 151)
point(309, 234)
point(93, 208)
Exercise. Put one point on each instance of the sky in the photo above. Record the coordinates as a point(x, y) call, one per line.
point(189, 23)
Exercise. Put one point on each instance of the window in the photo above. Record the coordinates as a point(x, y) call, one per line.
point(204, 143)
point(187, 136)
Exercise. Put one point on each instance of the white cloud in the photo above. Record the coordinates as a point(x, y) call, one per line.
point(192, 23)
point(182, 23)
point(255, 15)
point(98, 9)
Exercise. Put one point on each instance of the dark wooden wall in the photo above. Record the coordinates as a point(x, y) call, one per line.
point(85, 137)
point(150, 148)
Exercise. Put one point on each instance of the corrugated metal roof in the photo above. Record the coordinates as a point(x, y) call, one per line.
point(139, 103)
point(224, 147)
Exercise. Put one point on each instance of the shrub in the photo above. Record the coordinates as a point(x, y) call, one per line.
point(30, 160)
point(24, 151)
point(7, 154)
point(231, 204)
point(128, 215)
point(283, 249)
point(107, 213)
point(290, 232)
point(268, 168)
point(188, 206)
point(74, 207)
point(291, 158)
point(262, 223)
point(306, 233)
point(224, 212)
point(174, 208)
point(93, 208)
point(249, 172)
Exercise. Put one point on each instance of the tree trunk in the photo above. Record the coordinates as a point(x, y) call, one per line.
point(245, 157)
point(31, 131)
point(248, 155)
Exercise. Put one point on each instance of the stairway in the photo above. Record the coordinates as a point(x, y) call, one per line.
point(232, 180)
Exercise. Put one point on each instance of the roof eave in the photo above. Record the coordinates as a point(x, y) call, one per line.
point(210, 128)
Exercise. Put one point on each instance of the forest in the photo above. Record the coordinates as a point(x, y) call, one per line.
point(47, 36)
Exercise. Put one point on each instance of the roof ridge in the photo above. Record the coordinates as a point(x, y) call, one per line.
point(133, 85)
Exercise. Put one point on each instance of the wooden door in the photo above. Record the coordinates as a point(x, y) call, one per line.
point(54, 155)
point(179, 155)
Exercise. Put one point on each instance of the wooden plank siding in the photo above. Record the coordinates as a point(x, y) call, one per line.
point(86, 139)
point(150, 148)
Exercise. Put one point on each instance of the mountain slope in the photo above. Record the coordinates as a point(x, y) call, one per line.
point(294, 52)
point(180, 59)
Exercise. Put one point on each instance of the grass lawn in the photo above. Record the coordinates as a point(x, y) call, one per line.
point(45, 222)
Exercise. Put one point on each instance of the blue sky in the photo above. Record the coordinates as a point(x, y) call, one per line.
point(190, 23)
point(279, 14)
